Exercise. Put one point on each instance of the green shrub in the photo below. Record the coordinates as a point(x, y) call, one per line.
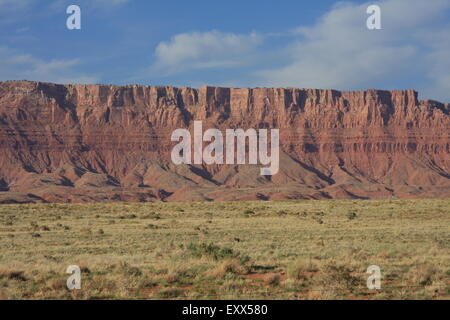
point(215, 252)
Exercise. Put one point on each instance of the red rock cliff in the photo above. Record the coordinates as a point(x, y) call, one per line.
point(99, 142)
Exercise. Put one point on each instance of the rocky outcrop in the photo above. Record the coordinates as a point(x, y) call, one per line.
point(69, 143)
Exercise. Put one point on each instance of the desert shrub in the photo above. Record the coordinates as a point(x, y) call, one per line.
point(173, 277)
point(148, 283)
point(273, 280)
point(130, 270)
point(170, 293)
point(12, 275)
point(337, 280)
point(234, 261)
point(233, 285)
point(85, 269)
point(298, 270)
point(128, 216)
point(228, 267)
point(210, 250)
point(351, 215)
point(58, 284)
point(424, 275)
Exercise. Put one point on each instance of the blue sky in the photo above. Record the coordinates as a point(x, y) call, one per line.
point(253, 43)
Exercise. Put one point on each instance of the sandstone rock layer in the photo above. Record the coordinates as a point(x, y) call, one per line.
point(75, 143)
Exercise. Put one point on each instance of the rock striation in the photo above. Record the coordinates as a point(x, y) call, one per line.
point(76, 143)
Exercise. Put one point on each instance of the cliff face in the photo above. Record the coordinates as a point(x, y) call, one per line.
point(94, 142)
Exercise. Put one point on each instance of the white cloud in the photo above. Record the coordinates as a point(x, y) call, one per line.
point(203, 50)
point(340, 52)
point(19, 66)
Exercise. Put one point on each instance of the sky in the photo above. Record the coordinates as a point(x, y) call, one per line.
point(251, 43)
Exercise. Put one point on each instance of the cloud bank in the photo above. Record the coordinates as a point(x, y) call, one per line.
point(204, 50)
point(338, 51)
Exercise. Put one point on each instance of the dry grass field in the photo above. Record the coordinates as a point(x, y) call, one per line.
point(232, 250)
